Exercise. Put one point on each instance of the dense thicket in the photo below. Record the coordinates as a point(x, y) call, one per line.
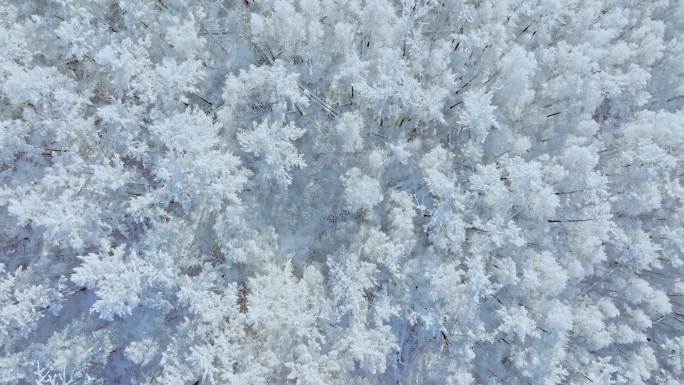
point(341, 192)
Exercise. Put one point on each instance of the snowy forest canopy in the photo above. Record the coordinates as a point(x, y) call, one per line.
point(322, 192)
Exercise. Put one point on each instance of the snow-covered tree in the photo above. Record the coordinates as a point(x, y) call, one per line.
point(341, 192)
